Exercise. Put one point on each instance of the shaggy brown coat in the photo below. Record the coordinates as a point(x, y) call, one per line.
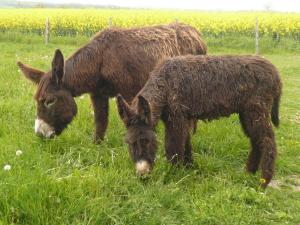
point(115, 61)
point(185, 88)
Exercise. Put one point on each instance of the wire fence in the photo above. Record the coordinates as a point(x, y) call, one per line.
point(256, 34)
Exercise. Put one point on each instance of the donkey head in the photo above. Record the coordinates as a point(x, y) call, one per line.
point(140, 136)
point(55, 105)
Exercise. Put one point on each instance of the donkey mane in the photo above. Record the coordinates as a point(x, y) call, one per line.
point(81, 66)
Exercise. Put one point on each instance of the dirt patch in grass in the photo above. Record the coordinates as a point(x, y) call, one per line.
point(297, 118)
point(292, 182)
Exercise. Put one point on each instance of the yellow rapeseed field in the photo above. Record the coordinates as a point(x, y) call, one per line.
point(89, 21)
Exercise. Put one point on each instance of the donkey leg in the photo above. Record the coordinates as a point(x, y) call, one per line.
point(175, 140)
point(262, 136)
point(254, 154)
point(268, 159)
point(100, 105)
point(188, 155)
point(254, 158)
point(194, 125)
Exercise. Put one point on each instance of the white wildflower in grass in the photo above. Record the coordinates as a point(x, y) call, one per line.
point(7, 167)
point(19, 152)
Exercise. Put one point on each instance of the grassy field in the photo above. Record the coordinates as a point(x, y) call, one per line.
point(70, 180)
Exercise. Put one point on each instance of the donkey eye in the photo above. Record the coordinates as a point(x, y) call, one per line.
point(50, 102)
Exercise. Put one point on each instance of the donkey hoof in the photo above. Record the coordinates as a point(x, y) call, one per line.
point(97, 140)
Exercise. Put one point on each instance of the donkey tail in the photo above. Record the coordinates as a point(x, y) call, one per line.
point(275, 111)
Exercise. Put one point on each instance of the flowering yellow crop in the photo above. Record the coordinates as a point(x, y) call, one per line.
point(89, 21)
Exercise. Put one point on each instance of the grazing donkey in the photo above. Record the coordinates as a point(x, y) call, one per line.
point(185, 88)
point(114, 61)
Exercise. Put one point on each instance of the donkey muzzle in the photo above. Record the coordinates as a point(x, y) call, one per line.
point(142, 167)
point(43, 129)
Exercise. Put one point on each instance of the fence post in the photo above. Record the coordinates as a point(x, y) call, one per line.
point(256, 37)
point(47, 31)
point(277, 36)
point(110, 22)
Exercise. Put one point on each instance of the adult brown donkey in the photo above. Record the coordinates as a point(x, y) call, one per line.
point(114, 61)
point(204, 87)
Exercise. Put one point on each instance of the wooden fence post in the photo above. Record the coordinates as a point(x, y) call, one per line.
point(256, 37)
point(277, 36)
point(47, 31)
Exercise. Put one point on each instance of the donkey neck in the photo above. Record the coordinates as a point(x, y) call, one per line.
point(82, 69)
point(154, 92)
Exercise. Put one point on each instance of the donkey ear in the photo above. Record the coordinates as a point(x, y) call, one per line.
point(58, 66)
point(30, 73)
point(124, 109)
point(144, 111)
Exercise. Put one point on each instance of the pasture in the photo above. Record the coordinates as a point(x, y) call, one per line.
point(70, 180)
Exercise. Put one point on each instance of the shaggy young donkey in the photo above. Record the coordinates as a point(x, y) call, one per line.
point(185, 88)
point(114, 61)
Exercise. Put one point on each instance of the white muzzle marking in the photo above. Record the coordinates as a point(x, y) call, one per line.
point(142, 167)
point(41, 128)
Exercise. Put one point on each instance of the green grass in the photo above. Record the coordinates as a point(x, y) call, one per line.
point(69, 180)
